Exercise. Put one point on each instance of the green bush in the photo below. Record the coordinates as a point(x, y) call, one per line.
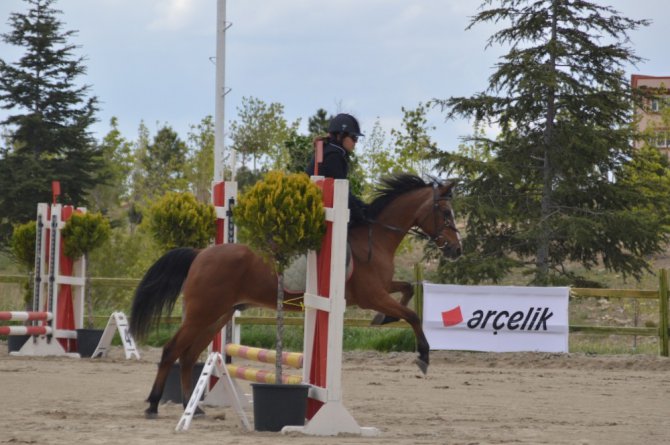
point(84, 232)
point(23, 244)
point(179, 220)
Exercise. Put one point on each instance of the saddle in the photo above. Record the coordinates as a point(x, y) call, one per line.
point(295, 275)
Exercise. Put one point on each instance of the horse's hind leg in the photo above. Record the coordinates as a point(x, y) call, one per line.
point(407, 291)
point(202, 336)
point(171, 351)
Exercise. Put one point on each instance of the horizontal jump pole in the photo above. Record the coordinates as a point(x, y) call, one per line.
point(292, 359)
point(25, 330)
point(261, 376)
point(25, 316)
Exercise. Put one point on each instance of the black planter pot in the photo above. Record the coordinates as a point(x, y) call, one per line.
point(87, 341)
point(276, 406)
point(16, 342)
point(172, 391)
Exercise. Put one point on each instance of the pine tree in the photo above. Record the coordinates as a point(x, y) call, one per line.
point(48, 127)
point(118, 160)
point(544, 194)
point(317, 125)
point(162, 165)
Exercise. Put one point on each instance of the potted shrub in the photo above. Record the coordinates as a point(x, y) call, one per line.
point(280, 217)
point(22, 246)
point(180, 220)
point(83, 233)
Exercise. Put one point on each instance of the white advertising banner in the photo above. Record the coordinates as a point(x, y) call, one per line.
point(496, 318)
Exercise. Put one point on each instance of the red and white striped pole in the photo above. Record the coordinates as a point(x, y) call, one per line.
point(224, 194)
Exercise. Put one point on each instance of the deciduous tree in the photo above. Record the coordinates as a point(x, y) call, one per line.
point(261, 129)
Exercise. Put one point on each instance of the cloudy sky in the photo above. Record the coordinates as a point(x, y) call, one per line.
point(152, 60)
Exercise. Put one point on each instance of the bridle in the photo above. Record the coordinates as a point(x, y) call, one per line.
point(416, 228)
point(447, 221)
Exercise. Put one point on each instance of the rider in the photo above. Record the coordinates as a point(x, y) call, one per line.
point(343, 133)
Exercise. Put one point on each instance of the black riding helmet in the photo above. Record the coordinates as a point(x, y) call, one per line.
point(344, 123)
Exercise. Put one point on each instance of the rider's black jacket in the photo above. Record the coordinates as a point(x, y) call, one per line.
point(335, 165)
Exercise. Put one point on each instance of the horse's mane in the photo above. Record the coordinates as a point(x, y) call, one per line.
point(390, 188)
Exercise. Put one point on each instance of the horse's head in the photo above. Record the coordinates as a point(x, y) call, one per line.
point(426, 206)
point(436, 219)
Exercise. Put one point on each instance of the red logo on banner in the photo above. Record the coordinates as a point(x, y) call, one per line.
point(452, 317)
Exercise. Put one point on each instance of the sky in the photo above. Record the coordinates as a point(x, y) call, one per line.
point(153, 60)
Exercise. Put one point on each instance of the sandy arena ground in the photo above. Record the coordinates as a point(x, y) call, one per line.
point(467, 398)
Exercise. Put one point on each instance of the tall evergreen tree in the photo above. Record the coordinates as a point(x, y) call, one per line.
point(118, 161)
point(49, 137)
point(160, 165)
point(300, 149)
point(317, 125)
point(544, 194)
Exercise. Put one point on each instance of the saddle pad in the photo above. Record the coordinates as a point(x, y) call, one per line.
point(295, 275)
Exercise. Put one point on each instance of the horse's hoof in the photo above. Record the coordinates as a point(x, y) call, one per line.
point(379, 318)
point(148, 414)
point(198, 412)
point(423, 366)
point(388, 320)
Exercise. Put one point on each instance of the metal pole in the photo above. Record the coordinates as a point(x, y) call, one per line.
point(220, 93)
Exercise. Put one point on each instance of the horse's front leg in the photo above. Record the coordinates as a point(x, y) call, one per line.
point(389, 306)
point(407, 291)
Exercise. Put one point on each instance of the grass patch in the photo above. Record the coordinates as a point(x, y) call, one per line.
point(259, 336)
point(264, 337)
point(376, 339)
point(613, 344)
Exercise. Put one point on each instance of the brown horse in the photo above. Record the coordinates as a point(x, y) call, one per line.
point(220, 278)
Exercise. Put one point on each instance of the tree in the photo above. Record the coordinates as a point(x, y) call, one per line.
point(317, 125)
point(545, 194)
point(83, 233)
point(261, 130)
point(161, 165)
point(201, 159)
point(281, 216)
point(300, 149)
point(23, 250)
point(179, 220)
point(377, 158)
point(49, 137)
point(412, 143)
point(118, 164)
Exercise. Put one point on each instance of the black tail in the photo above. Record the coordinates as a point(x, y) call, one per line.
point(159, 289)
